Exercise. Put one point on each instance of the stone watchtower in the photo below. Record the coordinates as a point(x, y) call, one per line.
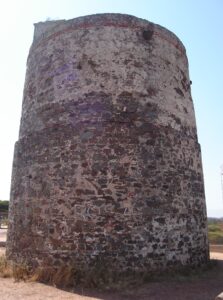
point(107, 165)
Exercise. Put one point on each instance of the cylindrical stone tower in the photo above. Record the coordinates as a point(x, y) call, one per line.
point(107, 165)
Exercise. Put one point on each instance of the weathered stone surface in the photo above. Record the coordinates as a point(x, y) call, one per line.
point(219, 297)
point(108, 163)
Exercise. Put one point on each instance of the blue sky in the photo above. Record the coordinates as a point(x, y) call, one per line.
point(198, 23)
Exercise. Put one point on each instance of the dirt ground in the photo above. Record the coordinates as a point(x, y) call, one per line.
point(204, 287)
point(3, 233)
point(10, 290)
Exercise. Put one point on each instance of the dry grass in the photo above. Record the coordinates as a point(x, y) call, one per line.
point(17, 271)
point(100, 276)
point(70, 276)
point(60, 277)
point(5, 268)
point(64, 276)
point(20, 272)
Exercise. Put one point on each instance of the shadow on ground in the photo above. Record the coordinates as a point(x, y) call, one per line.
point(205, 286)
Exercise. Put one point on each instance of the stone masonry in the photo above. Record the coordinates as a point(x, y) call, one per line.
point(108, 164)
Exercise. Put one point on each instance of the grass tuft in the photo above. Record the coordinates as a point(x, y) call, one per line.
point(61, 277)
point(20, 272)
point(100, 275)
point(5, 268)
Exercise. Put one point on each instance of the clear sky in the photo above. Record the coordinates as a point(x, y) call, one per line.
point(198, 23)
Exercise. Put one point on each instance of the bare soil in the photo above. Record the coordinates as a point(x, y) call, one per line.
point(2, 251)
point(3, 233)
point(11, 290)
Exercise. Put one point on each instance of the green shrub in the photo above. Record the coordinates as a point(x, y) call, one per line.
point(215, 233)
point(4, 205)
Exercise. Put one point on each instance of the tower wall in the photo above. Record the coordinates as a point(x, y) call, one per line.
point(107, 165)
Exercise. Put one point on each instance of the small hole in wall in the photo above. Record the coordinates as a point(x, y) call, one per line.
point(147, 34)
point(79, 67)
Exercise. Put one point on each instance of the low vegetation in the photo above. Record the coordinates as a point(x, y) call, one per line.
point(69, 276)
point(18, 272)
point(4, 205)
point(100, 276)
point(215, 231)
point(5, 268)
